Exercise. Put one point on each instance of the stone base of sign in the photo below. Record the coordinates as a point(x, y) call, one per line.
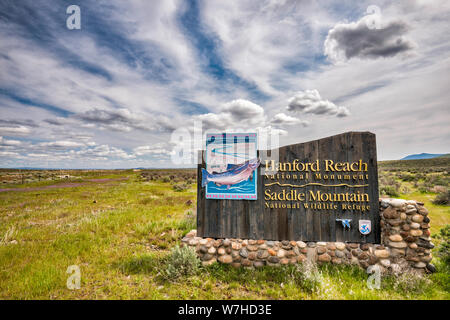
point(405, 245)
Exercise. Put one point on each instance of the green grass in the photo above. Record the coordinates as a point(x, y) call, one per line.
point(120, 232)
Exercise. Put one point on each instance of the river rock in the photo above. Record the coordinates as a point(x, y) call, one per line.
point(391, 213)
point(246, 263)
point(259, 264)
point(416, 233)
point(395, 222)
point(397, 203)
point(324, 258)
point(212, 250)
point(281, 253)
point(385, 262)
point(301, 244)
point(273, 259)
point(423, 211)
point(262, 254)
point(236, 246)
point(400, 244)
point(431, 268)
point(321, 250)
point(243, 253)
point(425, 244)
point(420, 265)
point(417, 218)
point(336, 261)
point(414, 225)
point(426, 258)
point(382, 253)
point(226, 259)
point(396, 238)
point(340, 245)
point(363, 256)
point(384, 203)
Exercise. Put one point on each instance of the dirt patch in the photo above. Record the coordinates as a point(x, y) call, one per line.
point(64, 185)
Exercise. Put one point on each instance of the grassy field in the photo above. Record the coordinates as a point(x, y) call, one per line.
point(119, 227)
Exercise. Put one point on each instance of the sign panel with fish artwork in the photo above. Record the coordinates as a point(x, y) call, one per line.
point(231, 163)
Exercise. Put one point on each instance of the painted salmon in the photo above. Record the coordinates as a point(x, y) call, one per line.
point(234, 175)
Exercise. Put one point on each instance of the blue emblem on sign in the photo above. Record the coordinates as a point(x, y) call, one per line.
point(365, 226)
point(345, 222)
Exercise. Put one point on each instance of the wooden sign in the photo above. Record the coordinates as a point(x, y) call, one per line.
point(322, 190)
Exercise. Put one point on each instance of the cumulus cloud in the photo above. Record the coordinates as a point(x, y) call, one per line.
point(284, 119)
point(238, 113)
point(310, 101)
point(242, 114)
point(351, 40)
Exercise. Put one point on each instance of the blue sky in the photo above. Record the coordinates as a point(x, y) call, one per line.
point(113, 93)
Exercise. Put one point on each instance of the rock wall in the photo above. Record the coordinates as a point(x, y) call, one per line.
point(405, 245)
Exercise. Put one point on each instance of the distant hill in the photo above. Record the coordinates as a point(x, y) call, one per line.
point(421, 165)
point(445, 156)
point(422, 156)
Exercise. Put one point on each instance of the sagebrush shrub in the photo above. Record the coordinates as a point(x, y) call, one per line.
point(443, 250)
point(307, 276)
point(180, 187)
point(443, 198)
point(182, 261)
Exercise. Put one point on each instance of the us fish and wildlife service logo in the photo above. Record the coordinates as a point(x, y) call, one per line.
point(365, 226)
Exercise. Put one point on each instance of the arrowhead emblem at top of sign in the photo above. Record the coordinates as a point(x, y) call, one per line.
point(365, 226)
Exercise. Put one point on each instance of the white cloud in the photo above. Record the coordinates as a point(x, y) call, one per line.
point(9, 142)
point(16, 130)
point(8, 154)
point(62, 144)
point(238, 113)
point(310, 101)
point(284, 119)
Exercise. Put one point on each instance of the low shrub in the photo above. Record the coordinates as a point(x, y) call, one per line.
point(408, 283)
point(389, 190)
point(179, 187)
point(182, 261)
point(443, 198)
point(307, 276)
point(443, 249)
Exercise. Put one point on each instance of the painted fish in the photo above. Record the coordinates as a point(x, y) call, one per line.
point(233, 175)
